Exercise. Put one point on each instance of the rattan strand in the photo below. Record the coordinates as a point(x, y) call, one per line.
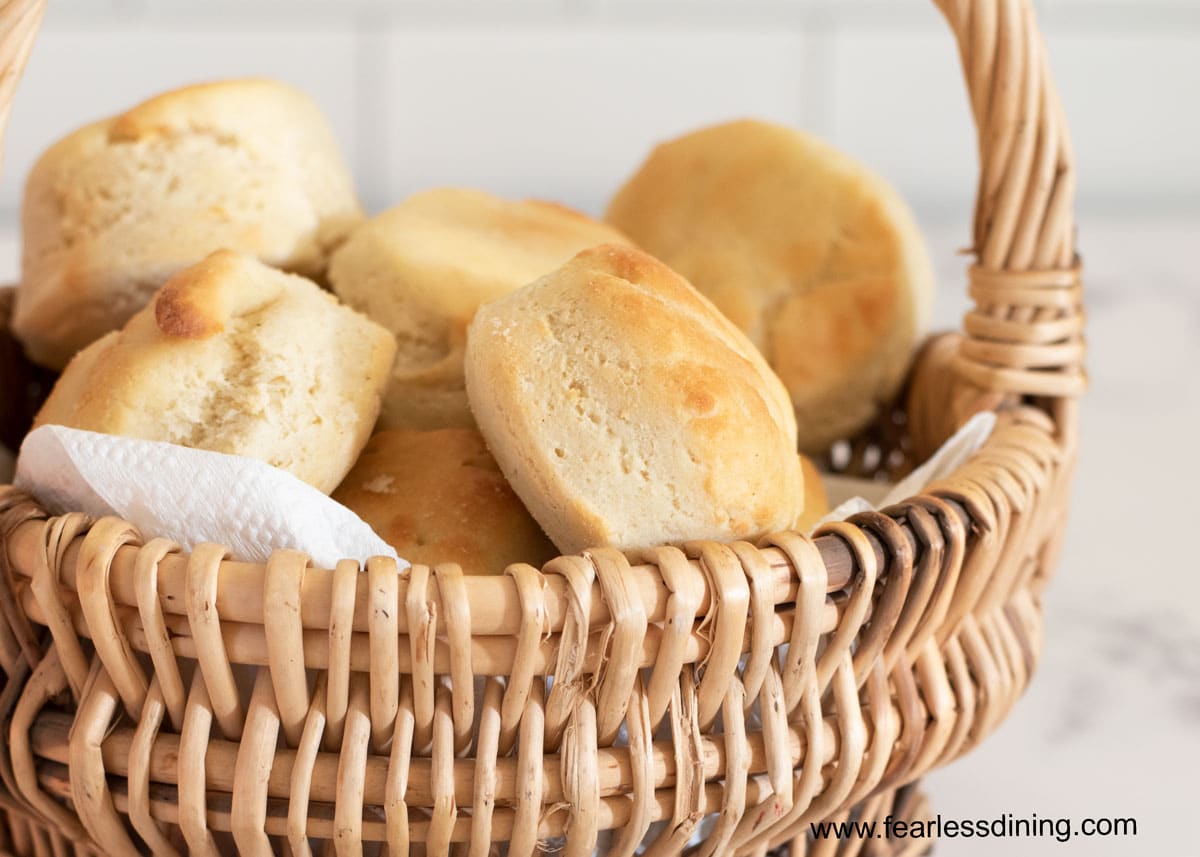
point(185, 702)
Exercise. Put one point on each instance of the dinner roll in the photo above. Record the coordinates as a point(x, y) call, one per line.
point(438, 496)
point(422, 268)
point(817, 259)
point(627, 411)
point(112, 210)
point(816, 500)
point(233, 356)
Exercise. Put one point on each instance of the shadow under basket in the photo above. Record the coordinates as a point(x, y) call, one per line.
point(168, 702)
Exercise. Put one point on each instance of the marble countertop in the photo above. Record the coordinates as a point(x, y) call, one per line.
point(1111, 724)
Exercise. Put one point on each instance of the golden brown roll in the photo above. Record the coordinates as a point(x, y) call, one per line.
point(438, 496)
point(814, 257)
point(422, 268)
point(816, 500)
point(627, 411)
point(233, 356)
point(115, 208)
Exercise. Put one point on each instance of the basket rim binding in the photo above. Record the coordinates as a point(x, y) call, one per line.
point(910, 631)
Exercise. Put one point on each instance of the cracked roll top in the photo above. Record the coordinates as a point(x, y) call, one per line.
point(115, 208)
point(625, 410)
point(234, 356)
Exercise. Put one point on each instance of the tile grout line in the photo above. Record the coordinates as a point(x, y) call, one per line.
point(372, 109)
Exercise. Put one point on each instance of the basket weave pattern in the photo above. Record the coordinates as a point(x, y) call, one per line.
point(186, 702)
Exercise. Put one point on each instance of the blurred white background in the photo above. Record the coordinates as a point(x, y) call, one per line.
point(562, 98)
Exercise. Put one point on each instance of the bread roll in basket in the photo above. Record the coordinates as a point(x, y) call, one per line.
point(603, 699)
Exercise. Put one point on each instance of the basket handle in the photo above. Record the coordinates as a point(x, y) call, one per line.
point(19, 22)
point(1024, 336)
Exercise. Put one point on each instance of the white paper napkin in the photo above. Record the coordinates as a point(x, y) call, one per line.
point(192, 496)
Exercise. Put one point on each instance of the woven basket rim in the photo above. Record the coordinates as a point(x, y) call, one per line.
point(909, 632)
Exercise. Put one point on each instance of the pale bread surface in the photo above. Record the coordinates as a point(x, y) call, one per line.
point(815, 258)
point(234, 356)
point(625, 410)
point(438, 496)
point(422, 268)
point(115, 208)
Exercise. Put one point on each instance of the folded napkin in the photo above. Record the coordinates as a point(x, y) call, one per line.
point(192, 496)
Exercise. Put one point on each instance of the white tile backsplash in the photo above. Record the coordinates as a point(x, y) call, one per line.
point(562, 98)
point(1130, 100)
point(78, 75)
point(898, 103)
point(566, 112)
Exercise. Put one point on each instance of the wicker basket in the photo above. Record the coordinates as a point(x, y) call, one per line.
point(168, 702)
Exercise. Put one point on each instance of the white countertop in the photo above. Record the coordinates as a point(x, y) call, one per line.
point(1111, 724)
